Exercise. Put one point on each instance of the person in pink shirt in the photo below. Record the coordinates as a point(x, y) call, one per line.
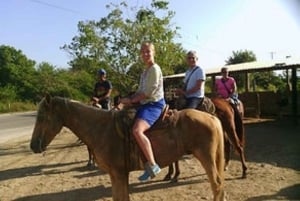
point(225, 87)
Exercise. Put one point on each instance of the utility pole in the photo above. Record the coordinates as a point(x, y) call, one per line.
point(272, 55)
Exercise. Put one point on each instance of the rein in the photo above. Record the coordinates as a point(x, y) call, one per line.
point(124, 133)
point(118, 126)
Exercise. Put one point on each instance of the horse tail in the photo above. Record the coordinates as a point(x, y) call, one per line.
point(239, 127)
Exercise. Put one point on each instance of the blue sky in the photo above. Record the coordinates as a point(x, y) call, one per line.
point(214, 28)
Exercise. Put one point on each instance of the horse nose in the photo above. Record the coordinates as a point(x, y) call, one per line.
point(35, 146)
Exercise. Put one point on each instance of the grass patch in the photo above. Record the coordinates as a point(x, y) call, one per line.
point(17, 107)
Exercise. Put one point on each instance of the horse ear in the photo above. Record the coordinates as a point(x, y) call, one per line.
point(48, 98)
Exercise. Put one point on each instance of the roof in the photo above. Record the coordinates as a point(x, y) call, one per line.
point(251, 67)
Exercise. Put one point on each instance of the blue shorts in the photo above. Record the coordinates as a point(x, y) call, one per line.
point(150, 112)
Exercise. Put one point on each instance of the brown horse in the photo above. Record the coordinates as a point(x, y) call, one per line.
point(106, 133)
point(117, 106)
point(231, 117)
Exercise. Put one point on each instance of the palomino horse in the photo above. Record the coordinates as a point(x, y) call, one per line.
point(231, 117)
point(107, 134)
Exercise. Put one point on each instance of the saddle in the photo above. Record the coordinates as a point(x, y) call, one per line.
point(235, 104)
point(124, 120)
point(207, 106)
point(168, 118)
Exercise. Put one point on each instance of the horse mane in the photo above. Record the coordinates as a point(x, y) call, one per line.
point(72, 101)
point(71, 104)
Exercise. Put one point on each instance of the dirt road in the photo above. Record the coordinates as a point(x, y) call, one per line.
point(273, 155)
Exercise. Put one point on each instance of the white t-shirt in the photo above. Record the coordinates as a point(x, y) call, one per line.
point(194, 76)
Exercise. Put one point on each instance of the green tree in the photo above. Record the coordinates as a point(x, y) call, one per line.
point(237, 57)
point(262, 80)
point(8, 93)
point(21, 81)
point(16, 73)
point(80, 84)
point(62, 82)
point(114, 41)
point(45, 80)
point(241, 56)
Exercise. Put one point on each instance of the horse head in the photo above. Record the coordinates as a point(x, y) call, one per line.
point(48, 124)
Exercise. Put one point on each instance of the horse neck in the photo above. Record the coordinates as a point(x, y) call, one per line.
point(79, 118)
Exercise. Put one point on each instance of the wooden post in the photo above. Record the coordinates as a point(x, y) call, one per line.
point(294, 95)
point(247, 83)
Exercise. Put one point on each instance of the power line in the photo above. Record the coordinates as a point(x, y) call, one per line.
point(54, 6)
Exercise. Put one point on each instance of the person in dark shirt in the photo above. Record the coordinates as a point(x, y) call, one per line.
point(102, 91)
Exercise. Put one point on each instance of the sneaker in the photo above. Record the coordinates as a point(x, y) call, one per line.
point(150, 172)
point(155, 169)
point(145, 176)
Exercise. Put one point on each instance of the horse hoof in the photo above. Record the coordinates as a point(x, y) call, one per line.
point(90, 165)
point(174, 180)
point(167, 178)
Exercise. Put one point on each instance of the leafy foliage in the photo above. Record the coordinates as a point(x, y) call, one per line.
point(16, 71)
point(241, 57)
point(260, 80)
point(21, 81)
point(113, 43)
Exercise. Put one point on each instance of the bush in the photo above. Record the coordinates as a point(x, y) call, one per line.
point(8, 93)
point(6, 107)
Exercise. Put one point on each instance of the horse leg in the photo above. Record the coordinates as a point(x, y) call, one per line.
point(214, 168)
point(227, 149)
point(243, 160)
point(241, 153)
point(177, 172)
point(169, 174)
point(231, 135)
point(240, 149)
point(91, 161)
point(119, 185)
